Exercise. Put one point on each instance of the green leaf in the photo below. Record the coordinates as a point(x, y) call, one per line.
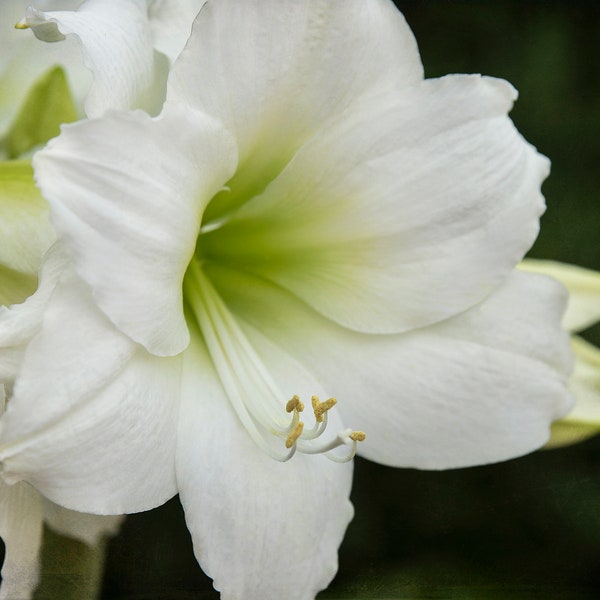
point(48, 104)
point(15, 287)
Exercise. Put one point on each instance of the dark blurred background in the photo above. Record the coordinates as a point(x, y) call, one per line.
point(525, 529)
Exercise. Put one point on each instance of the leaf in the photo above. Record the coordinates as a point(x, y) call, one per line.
point(48, 104)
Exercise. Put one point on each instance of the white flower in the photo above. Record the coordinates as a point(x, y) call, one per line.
point(583, 311)
point(306, 216)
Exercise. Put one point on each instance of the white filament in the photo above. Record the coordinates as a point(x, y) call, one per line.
point(253, 393)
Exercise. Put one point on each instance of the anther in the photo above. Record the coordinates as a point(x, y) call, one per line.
point(358, 436)
point(320, 408)
point(294, 404)
point(22, 24)
point(294, 435)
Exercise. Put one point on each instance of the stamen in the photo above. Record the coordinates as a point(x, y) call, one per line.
point(253, 393)
point(22, 24)
point(358, 436)
point(354, 437)
point(294, 404)
point(294, 435)
point(320, 408)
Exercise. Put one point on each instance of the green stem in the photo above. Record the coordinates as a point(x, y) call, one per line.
point(70, 569)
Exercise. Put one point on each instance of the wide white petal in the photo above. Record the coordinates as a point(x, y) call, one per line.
point(89, 529)
point(117, 47)
point(406, 210)
point(126, 195)
point(261, 528)
point(21, 532)
point(275, 70)
point(481, 387)
point(92, 419)
point(583, 309)
point(171, 23)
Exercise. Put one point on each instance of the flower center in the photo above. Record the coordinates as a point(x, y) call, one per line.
point(276, 428)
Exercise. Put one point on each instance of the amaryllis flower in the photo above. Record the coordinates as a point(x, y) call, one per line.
point(306, 217)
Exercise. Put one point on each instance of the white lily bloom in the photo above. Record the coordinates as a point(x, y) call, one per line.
point(307, 215)
point(583, 311)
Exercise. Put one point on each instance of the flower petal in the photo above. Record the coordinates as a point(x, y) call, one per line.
point(171, 23)
point(583, 309)
point(92, 420)
point(25, 230)
point(404, 211)
point(21, 531)
point(20, 322)
point(283, 521)
point(117, 47)
point(584, 420)
point(23, 60)
point(478, 388)
point(126, 196)
point(275, 70)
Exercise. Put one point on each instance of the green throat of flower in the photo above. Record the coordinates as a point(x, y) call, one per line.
point(277, 428)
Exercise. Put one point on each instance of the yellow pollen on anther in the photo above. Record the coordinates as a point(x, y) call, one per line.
point(294, 404)
point(320, 408)
point(21, 25)
point(358, 436)
point(294, 435)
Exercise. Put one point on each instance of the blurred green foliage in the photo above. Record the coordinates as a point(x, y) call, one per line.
point(525, 529)
point(48, 104)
